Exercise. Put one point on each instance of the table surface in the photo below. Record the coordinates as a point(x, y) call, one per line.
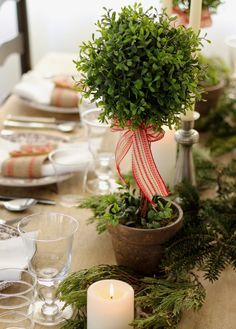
point(89, 248)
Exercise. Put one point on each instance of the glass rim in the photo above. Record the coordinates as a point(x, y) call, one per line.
point(46, 240)
point(89, 123)
point(25, 301)
point(32, 286)
point(61, 150)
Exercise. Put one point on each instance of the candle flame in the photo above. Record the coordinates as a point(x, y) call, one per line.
point(111, 291)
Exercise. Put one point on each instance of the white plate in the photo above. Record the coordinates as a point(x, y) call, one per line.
point(49, 108)
point(22, 137)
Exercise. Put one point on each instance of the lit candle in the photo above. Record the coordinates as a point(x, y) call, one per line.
point(194, 23)
point(164, 154)
point(167, 5)
point(110, 305)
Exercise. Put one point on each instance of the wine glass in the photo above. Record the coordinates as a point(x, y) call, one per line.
point(48, 238)
point(101, 146)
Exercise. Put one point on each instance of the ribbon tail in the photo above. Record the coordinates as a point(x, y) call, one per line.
point(144, 168)
point(122, 149)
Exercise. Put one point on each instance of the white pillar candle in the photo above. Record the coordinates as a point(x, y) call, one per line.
point(164, 154)
point(110, 305)
point(167, 5)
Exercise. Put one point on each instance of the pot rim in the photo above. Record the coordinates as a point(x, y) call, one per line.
point(219, 85)
point(147, 230)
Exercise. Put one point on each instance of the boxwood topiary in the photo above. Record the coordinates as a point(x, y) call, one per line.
point(139, 68)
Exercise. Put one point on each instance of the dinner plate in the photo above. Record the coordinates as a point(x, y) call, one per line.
point(49, 108)
point(31, 138)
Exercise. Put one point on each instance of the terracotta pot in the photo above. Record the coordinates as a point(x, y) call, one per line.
point(142, 249)
point(211, 98)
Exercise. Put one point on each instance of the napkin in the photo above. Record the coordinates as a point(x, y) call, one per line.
point(12, 251)
point(45, 91)
point(21, 166)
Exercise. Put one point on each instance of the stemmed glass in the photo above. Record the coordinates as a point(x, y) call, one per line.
point(101, 147)
point(48, 238)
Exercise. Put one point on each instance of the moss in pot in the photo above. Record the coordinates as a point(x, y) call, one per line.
point(141, 72)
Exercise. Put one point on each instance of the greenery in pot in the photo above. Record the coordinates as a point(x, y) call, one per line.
point(216, 70)
point(124, 208)
point(142, 73)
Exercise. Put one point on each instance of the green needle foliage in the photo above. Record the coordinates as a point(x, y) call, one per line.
point(207, 240)
point(139, 69)
point(159, 301)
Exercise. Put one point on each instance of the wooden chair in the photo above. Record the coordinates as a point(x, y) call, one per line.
point(20, 43)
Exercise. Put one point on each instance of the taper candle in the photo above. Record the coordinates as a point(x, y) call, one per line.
point(194, 23)
point(110, 305)
point(167, 5)
point(195, 15)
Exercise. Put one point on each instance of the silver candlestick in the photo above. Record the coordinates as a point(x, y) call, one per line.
point(186, 137)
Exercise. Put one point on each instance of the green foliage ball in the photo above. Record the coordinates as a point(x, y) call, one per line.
point(139, 68)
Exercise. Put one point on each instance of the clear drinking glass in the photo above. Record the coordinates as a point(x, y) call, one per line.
point(231, 44)
point(13, 319)
point(69, 161)
point(17, 298)
point(50, 237)
point(101, 146)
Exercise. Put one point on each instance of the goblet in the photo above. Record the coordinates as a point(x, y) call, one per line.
point(48, 238)
point(101, 146)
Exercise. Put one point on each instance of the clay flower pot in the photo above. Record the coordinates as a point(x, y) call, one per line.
point(210, 97)
point(142, 249)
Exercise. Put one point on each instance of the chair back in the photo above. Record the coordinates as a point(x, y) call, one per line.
point(19, 43)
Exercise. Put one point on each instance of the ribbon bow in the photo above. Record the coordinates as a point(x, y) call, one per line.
point(144, 169)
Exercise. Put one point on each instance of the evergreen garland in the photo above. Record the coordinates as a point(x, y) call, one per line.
point(207, 241)
point(159, 301)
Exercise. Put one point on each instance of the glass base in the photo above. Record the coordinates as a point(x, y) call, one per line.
point(61, 316)
point(99, 187)
point(70, 200)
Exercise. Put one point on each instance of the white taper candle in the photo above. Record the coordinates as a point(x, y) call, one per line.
point(167, 5)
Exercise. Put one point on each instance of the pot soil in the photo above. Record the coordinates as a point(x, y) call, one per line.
point(142, 249)
point(211, 98)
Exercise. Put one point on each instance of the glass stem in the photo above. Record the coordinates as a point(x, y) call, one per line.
point(47, 294)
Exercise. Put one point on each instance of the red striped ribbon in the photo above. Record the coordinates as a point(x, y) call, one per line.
point(144, 169)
